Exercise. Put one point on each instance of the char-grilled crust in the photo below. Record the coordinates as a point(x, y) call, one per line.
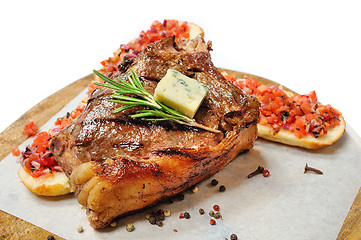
point(119, 165)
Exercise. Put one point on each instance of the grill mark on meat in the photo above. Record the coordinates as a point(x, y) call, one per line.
point(184, 152)
point(124, 65)
point(233, 113)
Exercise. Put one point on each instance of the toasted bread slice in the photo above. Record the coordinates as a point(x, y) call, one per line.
point(284, 136)
point(55, 185)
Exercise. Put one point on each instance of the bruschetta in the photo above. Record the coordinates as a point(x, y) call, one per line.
point(291, 118)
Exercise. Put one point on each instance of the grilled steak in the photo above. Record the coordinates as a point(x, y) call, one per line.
point(119, 165)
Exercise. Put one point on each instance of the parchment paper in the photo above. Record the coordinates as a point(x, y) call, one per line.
point(287, 205)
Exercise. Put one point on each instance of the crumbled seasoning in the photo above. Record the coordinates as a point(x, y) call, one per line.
point(148, 215)
point(113, 224)
point(50, 237)
point(222, 188)
point(175, 230)
point(80, 228)
point(194, 189)
point(130, 227)
point(201, 211)
point(214, 182)
point(181, 215)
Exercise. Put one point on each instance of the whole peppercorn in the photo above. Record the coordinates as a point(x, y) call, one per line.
point(194, 189)
point(201, 211)
point(214, 182)
point(217, 215)
point(216, 208)
point(161, 216)
point(79, 228)
point(212, 222)
point(211, 213)
point(152, 220)
point(130, 227)
point(187, 215)
point(181, 196)
point(159, 223)
point(265, 173)
point(167, 212)
point(222, 188)
point(234, 237)
point(50, 237)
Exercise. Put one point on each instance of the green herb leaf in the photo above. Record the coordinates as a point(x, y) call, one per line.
point(157, 111)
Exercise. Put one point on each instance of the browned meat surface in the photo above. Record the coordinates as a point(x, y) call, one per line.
point(119, 165)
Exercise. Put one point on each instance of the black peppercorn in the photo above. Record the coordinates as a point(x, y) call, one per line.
point(211, 213)
point(161, 216)
point(159, 223)
point(222, 188)
point(181, 196)
point(214, 182)
point(187, 215)
point(234, 237)
point(201, 211)
point(152, 220)
point(50, 237)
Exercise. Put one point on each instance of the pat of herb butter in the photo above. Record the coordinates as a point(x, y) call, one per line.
point(180, 92)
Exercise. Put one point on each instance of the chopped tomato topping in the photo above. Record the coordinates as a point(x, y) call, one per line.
point(30, 129)
point(41, 142)
point(156, 32)
point(300, 114)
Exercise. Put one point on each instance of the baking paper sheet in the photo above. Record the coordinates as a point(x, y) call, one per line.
point(287, 205)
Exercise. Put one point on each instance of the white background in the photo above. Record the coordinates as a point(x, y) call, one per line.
point(304, 45)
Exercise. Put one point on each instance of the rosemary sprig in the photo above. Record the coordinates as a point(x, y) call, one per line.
point(157, 111)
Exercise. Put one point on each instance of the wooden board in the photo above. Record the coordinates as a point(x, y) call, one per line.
point(14, 228)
